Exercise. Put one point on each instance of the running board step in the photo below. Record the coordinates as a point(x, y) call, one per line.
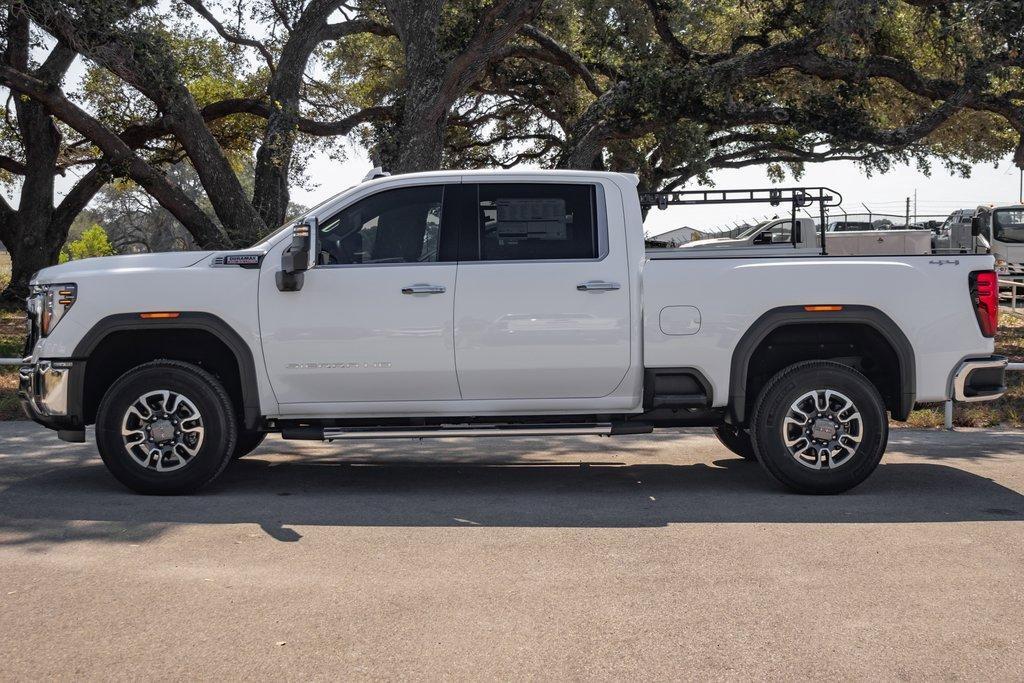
point(470, 430)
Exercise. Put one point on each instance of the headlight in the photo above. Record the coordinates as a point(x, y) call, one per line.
point(50, 303)
point(1002, 266)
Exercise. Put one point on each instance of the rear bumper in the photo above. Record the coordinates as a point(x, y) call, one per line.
point(980, 379)
point(47, 390)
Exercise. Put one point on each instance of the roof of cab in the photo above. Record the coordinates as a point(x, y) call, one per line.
point(512, 173)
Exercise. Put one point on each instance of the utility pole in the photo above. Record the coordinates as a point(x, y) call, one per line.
point(915, 204)
point(906, 223)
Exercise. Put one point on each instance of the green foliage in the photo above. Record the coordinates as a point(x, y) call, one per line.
point(92, 243)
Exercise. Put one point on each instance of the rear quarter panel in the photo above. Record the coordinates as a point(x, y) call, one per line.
point(926, 297)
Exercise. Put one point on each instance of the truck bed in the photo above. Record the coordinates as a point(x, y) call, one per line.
point(697, 306)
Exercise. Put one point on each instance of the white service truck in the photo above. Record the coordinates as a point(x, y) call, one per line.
point(1003, 228)
point(770, 236)
point(474, 304)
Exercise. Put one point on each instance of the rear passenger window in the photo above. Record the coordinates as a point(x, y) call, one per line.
point(525, 222)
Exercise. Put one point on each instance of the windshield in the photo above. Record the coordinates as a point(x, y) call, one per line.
point(1008, 225)
point(963, 216)
point(268, 239)
point(751, 230)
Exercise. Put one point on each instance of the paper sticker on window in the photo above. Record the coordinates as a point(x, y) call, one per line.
point(537, 219)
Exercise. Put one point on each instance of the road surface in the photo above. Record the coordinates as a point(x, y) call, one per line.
point(655, 556)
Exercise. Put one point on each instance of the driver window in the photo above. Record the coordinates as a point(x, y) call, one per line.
point(782, 233)
point(395, 226)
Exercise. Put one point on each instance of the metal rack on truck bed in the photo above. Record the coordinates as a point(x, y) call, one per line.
point(796, 197)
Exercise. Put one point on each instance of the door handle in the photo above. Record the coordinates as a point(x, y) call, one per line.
point(423, 289)
point(597, 285)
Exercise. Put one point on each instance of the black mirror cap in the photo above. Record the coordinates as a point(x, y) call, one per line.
point(295, 261)
point(289, 282)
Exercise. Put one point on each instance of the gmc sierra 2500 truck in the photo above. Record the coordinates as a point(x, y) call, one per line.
point(499, 303)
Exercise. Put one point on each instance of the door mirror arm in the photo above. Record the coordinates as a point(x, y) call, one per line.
point(295, 259)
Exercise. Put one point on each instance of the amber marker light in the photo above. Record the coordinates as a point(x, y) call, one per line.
point(822, 309)
point(159, 315)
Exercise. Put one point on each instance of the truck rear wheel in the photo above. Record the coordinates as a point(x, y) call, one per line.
point(166, 427)
point(819, 427)
point(737, 440)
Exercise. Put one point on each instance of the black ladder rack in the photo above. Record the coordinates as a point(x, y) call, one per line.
point(796, 197)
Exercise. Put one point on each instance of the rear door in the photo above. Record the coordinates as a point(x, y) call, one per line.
point(542, 303)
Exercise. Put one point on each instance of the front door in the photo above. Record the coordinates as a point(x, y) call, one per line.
point(374, 318)
point(542, 310)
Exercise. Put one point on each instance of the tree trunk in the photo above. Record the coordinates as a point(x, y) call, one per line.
point(416, 143)
point(29, 252)
point(274, 158)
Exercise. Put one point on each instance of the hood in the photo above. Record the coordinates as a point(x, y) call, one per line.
point(717, 241)
point(115, 264)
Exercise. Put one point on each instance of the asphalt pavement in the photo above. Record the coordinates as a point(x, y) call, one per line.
point(658, 556)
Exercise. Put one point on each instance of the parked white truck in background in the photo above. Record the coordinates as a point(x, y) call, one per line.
point(769, 236)
point(500, 303)
point(1003, 229)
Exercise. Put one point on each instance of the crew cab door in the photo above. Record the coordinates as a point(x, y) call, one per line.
point(373, 320)
point(542, 308)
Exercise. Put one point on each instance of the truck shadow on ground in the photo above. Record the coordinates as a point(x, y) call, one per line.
point(377, 484)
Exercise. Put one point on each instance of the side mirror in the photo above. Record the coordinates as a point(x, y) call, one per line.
point(797, 232)
point(762, 238)
point(975, 226)
point(295, 259)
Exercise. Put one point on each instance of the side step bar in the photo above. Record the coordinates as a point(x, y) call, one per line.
point(471, 430)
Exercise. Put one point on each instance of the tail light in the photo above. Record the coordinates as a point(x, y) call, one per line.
point(985, 297)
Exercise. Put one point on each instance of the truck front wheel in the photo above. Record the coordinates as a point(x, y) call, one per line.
point(819, 427)
point(166, 427)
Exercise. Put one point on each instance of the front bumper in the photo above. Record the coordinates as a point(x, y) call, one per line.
point(47, 390)
point(980, 379)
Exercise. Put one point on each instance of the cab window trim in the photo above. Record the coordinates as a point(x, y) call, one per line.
point(446, 238)
point(471, 231)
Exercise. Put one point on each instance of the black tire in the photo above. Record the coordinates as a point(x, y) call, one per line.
point(207, 396)
point(776, 401)
point(247, 442)
point(737, 440)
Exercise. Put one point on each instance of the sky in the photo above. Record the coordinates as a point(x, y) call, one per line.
point(937, 194)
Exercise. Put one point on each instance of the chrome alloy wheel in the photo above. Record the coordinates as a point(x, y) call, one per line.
point(162, 430)
point(822, 429)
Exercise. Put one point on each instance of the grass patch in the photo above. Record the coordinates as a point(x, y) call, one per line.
point(1007, 411)
point(12, 341)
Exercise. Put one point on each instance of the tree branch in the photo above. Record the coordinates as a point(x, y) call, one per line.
point(12, 165)
point(206, 233)
point(562, 56)
point(198, 6)
point(343, 29)
point(502, 20)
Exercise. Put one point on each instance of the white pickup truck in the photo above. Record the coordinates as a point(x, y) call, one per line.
point(499, 304)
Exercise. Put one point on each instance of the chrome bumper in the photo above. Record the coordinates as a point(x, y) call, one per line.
point(980, 379)
point(43, 389)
